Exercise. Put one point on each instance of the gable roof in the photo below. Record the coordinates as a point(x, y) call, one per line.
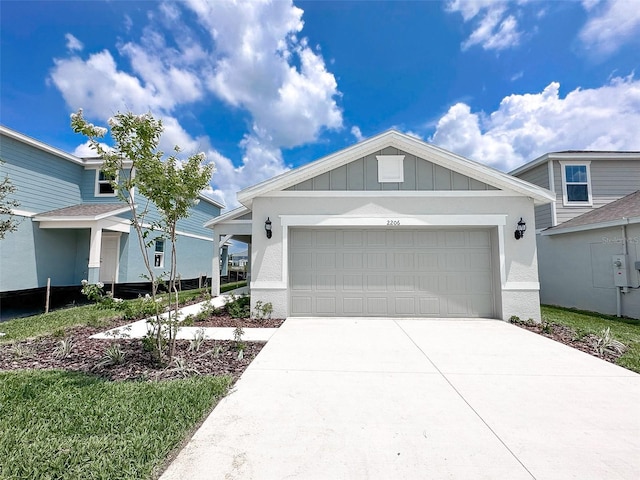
point(623, 211)
point(576, 155)
point(406, 143)
point(228, 216)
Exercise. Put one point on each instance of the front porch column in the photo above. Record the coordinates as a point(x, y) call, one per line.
point(93, 270)
point(249, 265)
point(225, 261)
point(215, 268)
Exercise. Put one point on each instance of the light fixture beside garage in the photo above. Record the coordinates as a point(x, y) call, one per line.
point(520, 229)
point(267, 227)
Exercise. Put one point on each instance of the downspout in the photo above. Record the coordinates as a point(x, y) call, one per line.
point(621, 290)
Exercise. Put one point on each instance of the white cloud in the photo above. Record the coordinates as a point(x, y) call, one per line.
point(495, 28)
point(527, 126)
point(611, 24)
point(257, 47)
point(255, 61)
point(355, 131)
point(73, 44)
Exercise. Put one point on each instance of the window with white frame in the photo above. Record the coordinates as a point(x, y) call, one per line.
point(576, 183)
point(104, 184)
point(158, 254)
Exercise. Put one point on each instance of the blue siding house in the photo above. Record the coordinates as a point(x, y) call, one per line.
point(72, 226)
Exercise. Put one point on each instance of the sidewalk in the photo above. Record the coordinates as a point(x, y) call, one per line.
point(140, 328)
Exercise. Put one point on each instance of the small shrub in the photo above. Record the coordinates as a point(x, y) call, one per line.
point(21, 351)
point(64, 347)
point(606, 343)
point(198, 340)
point(546, 327)
point(113, 355)
point(182, 368)
point(239, 307)
point(514, 319)
point(263, 310)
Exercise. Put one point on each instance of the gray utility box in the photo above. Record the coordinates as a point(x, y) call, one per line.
point(620, 271)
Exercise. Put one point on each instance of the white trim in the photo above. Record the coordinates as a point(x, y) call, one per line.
point(268, 285)
point(552, 187)
point(96, 191)
point(565, 200)
point(39, 145)
point(591, 226)
point(382, 221)
point(387, 193)
point(230, 215)
point(23, 213)
point(179, 232)
point(521, 286)
point(407, 144)
point(575, 156)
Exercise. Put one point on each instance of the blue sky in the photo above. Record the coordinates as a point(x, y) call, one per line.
point(265, 86)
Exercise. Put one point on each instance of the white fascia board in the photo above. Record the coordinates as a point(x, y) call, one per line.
point(388, 193)
point(230, 215)
point(407, 144)
point(383, 221)
point(592, 226)
point(96, 163)
point(211, 201)
point(579, 156)
point(238, 227)
point(80, 219)
point(40, 146)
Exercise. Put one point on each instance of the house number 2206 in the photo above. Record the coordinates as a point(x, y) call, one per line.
point(393, 222)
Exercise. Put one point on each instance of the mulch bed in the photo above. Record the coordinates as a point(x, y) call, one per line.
point(566, 335)
point(214, 357)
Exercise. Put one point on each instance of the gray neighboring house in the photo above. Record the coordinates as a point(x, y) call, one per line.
point(391, 226)
point(589, 238)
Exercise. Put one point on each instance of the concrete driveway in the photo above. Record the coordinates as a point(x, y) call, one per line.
point(338, 398)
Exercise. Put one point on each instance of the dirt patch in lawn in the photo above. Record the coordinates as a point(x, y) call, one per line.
point(84, 354)
point(568, 336)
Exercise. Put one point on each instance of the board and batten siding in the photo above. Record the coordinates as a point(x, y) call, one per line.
point(43, 181)
point(610, 180)
point(362, 175)
point(540, 176)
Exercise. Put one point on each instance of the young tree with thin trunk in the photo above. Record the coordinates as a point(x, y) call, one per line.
point(8, 223)
point(171, 184)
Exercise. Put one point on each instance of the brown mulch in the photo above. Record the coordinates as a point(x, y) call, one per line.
point(566, 335)
point(214, 357)
point(227, 321)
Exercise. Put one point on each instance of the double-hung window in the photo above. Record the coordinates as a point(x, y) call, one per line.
point(576, 184)
point(104, 185)
point(158, 255)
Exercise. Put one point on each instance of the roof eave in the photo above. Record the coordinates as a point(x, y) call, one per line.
point(591, 226)
point(407, 143)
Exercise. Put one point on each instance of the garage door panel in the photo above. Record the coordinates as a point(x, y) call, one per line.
point(326, 282)
point(326, 306)
point(377, 282)
point(352, 282)
point(352, 260)
point(325, 260)
point(353, 306)
point(377, 272)
point(377, 306)
point(377, 261)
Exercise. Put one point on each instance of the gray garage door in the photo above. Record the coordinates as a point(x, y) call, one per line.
point(401, 273)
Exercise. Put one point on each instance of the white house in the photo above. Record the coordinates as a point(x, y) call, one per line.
point(393, 227)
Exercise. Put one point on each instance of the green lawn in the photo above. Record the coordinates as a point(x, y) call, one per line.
point(626, 330)
point(54, 322)
point(56, 424)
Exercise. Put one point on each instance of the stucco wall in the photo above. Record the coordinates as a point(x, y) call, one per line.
point(576, 270)
point(517, 295)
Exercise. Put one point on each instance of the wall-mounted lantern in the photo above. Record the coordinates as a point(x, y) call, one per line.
point(267, 227)
point(520, 229)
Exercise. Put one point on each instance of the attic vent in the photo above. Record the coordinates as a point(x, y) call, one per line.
point(390, 168)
